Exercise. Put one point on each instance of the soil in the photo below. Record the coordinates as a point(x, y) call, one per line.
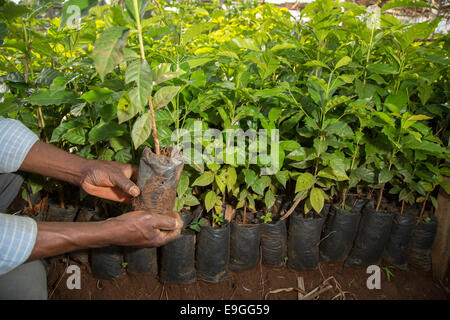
point(257, 284)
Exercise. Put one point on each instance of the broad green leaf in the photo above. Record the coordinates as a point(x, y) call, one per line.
point(164, 95)
point(343, 62)
point(381, 68)
point(403, 3)
point(210, 200)
point(317, 200)
point(126, 109)
point(139, 72)
point(163, 73)
point(246, 44)
point(50, 97)
point(108, 49)
point(76, 136)
point(316, 63)
point(231, 178)
point(123, 156)
point(282, 177)
point(205, 179)
point(385, 176)
point(183, 184)
point(304, 182)
point(269, 199)
point(195, 30)
point(105, 131)
point(97, 94)
point(142, 129)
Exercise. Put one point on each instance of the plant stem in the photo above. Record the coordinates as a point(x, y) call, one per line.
point(422, 211)
point(154, 129)
point(403, 206)
point(244, 218)
point(139, 28)
point(287, 214)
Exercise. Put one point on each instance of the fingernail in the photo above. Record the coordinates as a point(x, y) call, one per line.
point(134, 191)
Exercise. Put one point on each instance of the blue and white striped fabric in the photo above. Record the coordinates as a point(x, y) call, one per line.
point(17, 234)
point(17, 238)
point(15, 142)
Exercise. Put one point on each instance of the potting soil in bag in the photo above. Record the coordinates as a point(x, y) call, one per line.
point(213, 252)
point(274, 243)
point(178, 259)
point(106, 262)
point(158, 181)
point(422, 242)
point(397, 248)
point(244, 246)
point(340, 232)
point(373, 235)
point(304, 239)
point(84, 215)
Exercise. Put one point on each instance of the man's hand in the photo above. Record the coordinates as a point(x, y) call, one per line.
point(141, 229)
point(138, 228)
point(104, 179)
point(110, 180)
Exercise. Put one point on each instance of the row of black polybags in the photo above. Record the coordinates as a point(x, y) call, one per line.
point(360, 237)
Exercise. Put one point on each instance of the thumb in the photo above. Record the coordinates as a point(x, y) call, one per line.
point(126, 185)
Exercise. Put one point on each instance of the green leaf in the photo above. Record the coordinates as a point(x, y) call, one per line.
point(343, 62)
point(304, 182)
point(105, 131)
point(210, 200)
point(269, 199)
point(205, 179)
point(381, 68)
point(316, 63)
point(403, 3)
point(385, 176)
point(231, 178)
point(123, 156)
point(195, 30)
point(246, 44)
point(282, 177)
point(249, 177)
point(76, 136)
point(126, 109)
point(163, 73)
point(164, 95)
point(97, 95)
point(139, 72)
point(183, 184)
point(50, 97)
point(141, 129)
point(317, 200)
point(108, 49)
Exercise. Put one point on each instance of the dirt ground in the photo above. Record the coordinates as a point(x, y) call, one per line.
point(257, 284)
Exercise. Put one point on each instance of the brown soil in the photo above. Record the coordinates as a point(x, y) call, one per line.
point(250, 285)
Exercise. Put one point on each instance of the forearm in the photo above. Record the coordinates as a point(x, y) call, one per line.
point(55, 238)
point(47, 160)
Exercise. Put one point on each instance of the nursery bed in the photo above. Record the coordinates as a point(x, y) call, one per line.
point(252, 284)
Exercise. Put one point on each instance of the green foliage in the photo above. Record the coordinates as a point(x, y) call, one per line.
point(359, 103)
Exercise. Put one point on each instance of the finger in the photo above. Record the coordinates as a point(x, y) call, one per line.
point(165, 223)
point(125, 184)
point(167, 236)
point(114, 194)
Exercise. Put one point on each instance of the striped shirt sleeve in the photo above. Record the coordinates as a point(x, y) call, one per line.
point(15, 142)
point(17, 234)
point(17, 239)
